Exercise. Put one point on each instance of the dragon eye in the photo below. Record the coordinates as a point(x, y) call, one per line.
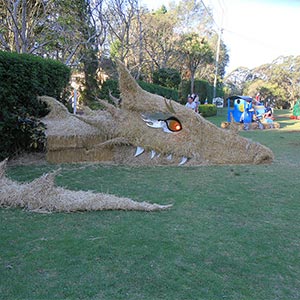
point(173, 124)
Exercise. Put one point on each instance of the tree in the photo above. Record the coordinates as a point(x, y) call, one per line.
point(21, 22)
point(288, 81)
point(119, 15)
point(193, 15)
point(190, 14)
point(195, 52)
point(167, 77)
point(269, 92)
point(208, 71)
point(48, 28)
point(160, 39)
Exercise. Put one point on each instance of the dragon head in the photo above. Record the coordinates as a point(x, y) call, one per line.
point(167, 128)
point(148, 129)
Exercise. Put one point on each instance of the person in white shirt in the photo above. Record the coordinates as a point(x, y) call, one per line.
point(191, 104)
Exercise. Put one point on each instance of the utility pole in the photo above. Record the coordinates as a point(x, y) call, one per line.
point(220, 29)
point(217, 62)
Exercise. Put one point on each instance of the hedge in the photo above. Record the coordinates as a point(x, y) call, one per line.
point(201, 87)
point(23, 77)
point(207, 110)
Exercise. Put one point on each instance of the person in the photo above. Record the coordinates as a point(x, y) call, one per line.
point(257, 98)
point(197, 102)
point(190, 103)
point(268, 112)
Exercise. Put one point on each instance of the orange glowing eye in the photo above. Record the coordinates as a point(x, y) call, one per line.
point(173, 124)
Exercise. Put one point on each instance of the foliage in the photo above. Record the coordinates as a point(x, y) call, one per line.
point(207, 110)
point(269, 92)
point(20, 22)
point(23, 77)
point(159, 39)
point(44, 28)
point(115, 48)
point(156, 39)
point(196, 52)
point(233, 233)
point(167, 77)
point(208, 71)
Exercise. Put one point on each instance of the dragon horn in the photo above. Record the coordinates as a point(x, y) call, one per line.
point(169, 106)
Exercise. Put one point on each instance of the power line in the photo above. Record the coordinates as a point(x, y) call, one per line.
point(210, 15)
point(222, 4)
point(220, 30)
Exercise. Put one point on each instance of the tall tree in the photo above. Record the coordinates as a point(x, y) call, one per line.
point(195, 52)
point(160, 38)
point(208, 71)
point(190, 14)
point(119, 15)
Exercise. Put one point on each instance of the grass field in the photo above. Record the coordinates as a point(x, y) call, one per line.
point(233, 232)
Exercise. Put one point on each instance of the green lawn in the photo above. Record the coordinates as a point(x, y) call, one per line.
point(233, 232)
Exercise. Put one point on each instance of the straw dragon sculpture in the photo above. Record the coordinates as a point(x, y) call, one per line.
point(142, 129)
point(145, 129)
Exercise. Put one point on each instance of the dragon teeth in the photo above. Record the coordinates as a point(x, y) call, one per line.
point(170, 157)
point(153, 153)
point(139, 151)
point(183, 161)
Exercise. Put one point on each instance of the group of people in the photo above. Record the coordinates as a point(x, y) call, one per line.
point(193, 102)
point(259, 112)
point(267, 114)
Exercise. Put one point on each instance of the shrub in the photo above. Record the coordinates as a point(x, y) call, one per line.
point(23, 77)
point(207, 110)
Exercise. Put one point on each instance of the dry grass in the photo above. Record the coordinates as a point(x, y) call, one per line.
point(41, 195)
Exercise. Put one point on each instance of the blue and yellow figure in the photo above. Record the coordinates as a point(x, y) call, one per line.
point(242, 109)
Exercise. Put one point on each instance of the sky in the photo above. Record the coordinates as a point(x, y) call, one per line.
point(255, 31)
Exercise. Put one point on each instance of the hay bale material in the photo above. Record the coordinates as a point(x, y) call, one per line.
point(252, 126)
point(200, 141)
point(41, 195)
point(70, 139)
